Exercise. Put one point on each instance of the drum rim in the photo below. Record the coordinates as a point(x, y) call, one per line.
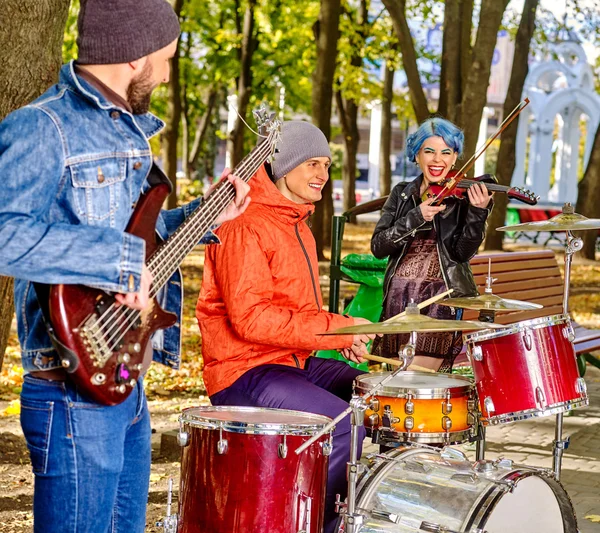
point(266, 428)
point(431, 393)
point(528, 414)
point(510, 329)
point(480, 513)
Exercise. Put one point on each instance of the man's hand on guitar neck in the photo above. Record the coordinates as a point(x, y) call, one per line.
point(138, 300)
point(241, 201)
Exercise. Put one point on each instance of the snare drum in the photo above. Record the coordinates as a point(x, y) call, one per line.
point(239, 472)
point(419, 407)
point(414, 489)
point(525, 370)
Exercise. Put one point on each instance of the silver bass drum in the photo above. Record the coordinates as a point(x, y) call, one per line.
point(413, 489)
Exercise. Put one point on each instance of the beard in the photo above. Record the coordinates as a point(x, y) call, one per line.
point(140, 90)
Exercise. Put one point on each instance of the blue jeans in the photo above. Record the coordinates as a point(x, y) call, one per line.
point(324, 387)
point(91, 462)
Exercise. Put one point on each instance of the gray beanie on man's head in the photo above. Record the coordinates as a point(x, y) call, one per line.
point(300, 141)
point(120, 31)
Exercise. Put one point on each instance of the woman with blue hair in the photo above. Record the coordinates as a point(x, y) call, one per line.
point(429, 247)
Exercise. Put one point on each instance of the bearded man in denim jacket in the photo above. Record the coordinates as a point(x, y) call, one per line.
point(73, 163)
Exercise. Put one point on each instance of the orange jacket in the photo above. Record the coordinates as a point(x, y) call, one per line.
point(260, 301)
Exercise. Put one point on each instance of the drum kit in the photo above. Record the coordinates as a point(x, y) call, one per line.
point(264, 470)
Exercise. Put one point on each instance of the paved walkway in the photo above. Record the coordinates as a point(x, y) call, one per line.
point(530, 443)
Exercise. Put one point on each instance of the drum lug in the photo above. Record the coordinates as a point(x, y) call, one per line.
point(488, 404)
point(453, 454)
point(540, 398)
point(446, 423)
point(527, 340)
point(374, 404)
point(569, 332)
point(476, 352)
point(409, 423)
point(471, 418)
point(465, 477)
point(328, 446)
point(447, 405)
point(307, 512)
point(222, 444)
point(409, 406)
point(282, 449)
point(385, 515)
point(183, 437)
point(374, 420)
point(580, 386)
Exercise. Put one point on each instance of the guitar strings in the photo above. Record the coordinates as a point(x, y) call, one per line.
point(115, 316)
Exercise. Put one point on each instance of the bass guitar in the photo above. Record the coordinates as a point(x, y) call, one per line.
point(102, 343)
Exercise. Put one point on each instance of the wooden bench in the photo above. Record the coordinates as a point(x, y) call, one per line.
point(532, 277)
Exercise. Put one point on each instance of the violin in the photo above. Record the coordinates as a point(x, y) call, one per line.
point(460, 188)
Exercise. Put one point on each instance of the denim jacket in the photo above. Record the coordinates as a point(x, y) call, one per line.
point(72, 166)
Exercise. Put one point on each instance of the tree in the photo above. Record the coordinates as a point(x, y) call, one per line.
point(506, 153)
point(587, 199)
point(170, 135)
point(31, 36)
point(326, 35)
point(385, 166)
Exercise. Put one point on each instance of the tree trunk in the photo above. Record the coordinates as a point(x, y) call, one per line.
point(385, 164)
point(30, 55)
point(244, 88)
point(202, 128)
point(170, 135)
point(450, 84)
point(587, 198)
point(397, 11)
point(327, 35)
point(185, 110)
point(506, 153)
point(475, 89)
point(348, 113)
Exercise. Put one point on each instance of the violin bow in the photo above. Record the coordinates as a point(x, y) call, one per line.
point(462, 173)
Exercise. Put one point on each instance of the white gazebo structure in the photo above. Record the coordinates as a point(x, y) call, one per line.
point(561, 92)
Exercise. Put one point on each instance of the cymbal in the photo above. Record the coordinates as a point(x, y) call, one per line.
point(561, 222)
point(490, 302)
point(419, 323)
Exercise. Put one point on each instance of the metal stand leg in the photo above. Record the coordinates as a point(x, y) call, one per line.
point(480, 447)
point(352, 518)
point(572, 245)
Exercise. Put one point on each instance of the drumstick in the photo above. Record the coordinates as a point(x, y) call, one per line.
point(430, 301)
point(395, 362)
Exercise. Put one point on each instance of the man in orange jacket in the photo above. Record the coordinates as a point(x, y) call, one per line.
point(260, 308)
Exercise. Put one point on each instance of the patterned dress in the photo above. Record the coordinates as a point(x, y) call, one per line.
point(417, 278)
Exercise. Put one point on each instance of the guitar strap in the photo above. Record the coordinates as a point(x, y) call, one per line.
point(68, 358)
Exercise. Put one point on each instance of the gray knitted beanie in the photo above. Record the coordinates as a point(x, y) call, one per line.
point(119, 31)
point(300, 141)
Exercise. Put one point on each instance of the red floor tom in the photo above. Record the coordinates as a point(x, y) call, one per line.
point(528, 369)
point(239, 472)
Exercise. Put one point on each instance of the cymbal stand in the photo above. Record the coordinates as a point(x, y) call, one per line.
point(358, 406)
point(572, 245)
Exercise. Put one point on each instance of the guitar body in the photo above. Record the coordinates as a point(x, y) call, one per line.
point(85, 327)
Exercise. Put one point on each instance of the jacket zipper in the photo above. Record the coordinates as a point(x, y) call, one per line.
point(296, 360)
point(312, 276)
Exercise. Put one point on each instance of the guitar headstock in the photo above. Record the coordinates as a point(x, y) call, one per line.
point(269, 126)
point(523, 195)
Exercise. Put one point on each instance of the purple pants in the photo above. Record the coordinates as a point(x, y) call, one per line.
point(324, 387)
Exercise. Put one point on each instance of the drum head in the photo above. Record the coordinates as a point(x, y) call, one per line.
point(255, 420)
point(419, 384)
point(534, 505)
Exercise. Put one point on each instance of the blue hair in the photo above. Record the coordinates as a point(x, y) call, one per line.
point(435, 127)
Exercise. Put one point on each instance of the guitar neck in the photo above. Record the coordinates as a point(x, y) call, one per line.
point(169, 255)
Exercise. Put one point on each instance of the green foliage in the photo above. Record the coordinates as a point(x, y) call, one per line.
point(69, 49)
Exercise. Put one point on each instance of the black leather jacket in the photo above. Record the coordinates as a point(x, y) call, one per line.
point(460, 229)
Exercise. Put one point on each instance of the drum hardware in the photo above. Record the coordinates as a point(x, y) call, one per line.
point(307, 511)
point(567, 221)
point(222, 444)
point(169, 523)
point(282, 449)
point(527, 340)
point(409, 406)
point(328, 446)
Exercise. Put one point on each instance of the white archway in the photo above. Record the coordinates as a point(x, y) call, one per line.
point(561, 92)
